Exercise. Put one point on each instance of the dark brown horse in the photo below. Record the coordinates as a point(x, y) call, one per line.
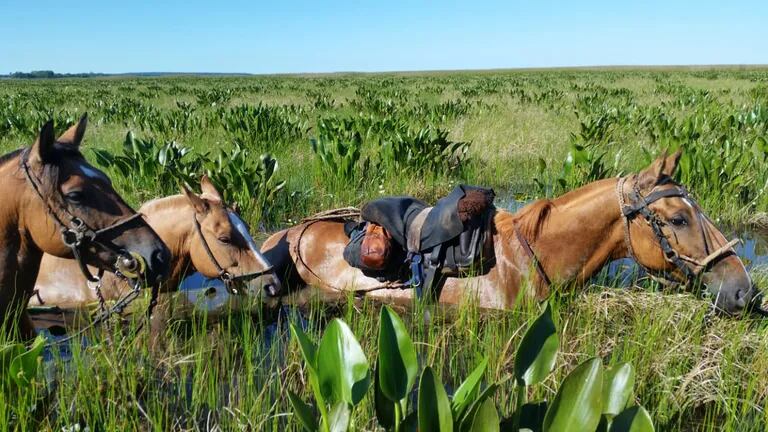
point(54, 202)
point(646, 216)
point(204, 235)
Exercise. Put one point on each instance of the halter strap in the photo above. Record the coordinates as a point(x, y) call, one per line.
point(639, 205)
point(228, 278)
point(532, 257)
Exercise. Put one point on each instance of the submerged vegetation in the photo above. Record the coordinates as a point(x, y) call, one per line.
point(286, 147)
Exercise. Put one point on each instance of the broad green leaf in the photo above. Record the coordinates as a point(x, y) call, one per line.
point(635, 419)
point(339, 417)
point(308, 348)
point(578, 403)
point(434, 408)
point(466, 421)
point(532, 416)
point(537, 352)
point(385, 408)
point(486, 418)
point(410, 423)
point(303, 412)
point(618, 383)
point(399, 367)
point(24, 367)
point(468, 390)
point(342, 368)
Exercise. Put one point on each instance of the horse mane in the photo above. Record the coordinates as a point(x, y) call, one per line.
point(529, 220)
point(9, 156)
point(160, 204)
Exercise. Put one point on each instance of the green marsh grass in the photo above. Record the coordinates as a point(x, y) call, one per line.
point(694, 371)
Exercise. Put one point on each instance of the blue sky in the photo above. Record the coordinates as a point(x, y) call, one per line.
point(304, 36)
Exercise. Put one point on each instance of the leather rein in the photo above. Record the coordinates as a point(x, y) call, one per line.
point(638, 205)
point(228, 278)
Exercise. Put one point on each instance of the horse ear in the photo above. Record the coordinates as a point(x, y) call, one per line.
point(195, 201)
point(650, 177)
point(209, 190)
point(43, 150)
point(670, 164)
point(74, 135)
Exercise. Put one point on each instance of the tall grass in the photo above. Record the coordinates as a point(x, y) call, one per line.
point(526, 134)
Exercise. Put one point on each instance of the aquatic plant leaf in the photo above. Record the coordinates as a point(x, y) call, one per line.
point(340, 417)
point(578, 403)
point(467, 391)
point(385, 408)
point(398, 366)
point(303, 412)
point(486, 419)
point(635, 419)
point(308, 348)
point(618, 382)
point(23, 368)
point(434, 407)
point(342, 368)
point(537, 352)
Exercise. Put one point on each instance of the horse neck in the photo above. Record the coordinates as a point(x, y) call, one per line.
point(576, 234)
point(171, 218)
point(19, 255)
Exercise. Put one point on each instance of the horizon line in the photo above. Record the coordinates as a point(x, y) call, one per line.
point(423, 71)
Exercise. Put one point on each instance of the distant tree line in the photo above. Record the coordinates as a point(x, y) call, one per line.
point(52, 74)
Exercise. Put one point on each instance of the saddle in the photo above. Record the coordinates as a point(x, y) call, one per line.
point(451, 239)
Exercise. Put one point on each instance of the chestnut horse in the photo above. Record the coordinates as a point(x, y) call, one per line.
point(204, 235)
point(646, 216)
point(54, 202)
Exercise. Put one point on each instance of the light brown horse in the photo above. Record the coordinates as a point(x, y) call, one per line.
point(571, 237)
point(53, 201)
point(176, 220)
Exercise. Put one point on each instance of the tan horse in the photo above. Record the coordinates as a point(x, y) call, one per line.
point(571, 237)
point(53, 201)
point(176, 220)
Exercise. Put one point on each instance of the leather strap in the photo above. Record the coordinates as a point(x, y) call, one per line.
point(532, 257)
point(414, 230)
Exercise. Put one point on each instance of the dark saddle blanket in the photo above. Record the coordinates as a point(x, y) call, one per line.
point(453, 236)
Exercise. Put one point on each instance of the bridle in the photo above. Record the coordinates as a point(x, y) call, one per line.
point(638, 205)
point(230, 280)
point(77, 235)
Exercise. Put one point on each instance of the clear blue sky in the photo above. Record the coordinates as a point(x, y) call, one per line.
point(317, 36)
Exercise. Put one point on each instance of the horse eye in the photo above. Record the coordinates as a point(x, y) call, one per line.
point(74, 197)
point(678, 221)
point(225, 240)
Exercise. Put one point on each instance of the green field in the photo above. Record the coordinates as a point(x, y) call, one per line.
point(527, 134)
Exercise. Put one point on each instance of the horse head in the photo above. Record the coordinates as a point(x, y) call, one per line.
point(223, 246)
point(669, 235)
point(71, 210)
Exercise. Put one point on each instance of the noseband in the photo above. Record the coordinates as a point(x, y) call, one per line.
point(228, 278)
point(637, 204)
point(77, 235)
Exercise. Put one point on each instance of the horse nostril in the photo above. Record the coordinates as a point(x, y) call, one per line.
point(271, 289)
point(159, 263)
